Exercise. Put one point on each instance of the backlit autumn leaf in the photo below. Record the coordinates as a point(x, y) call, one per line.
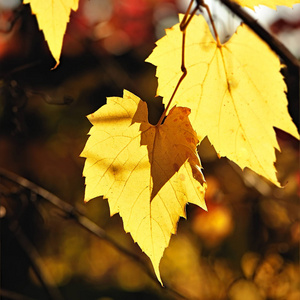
point(148, 173)
point(235, 91)
point(269, 3)
point(53, 17)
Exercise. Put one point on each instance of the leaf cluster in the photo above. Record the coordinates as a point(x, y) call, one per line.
point(231, 93)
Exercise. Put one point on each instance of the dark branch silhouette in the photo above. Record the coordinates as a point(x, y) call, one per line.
point(74, 213)
point(36, 261)
point(13, 296)
point(289, 59)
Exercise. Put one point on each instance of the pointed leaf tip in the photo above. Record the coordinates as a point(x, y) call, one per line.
point(148, 173)
point(53, 17)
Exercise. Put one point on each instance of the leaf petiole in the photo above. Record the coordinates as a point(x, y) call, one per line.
point(211, 21)
point(183, 26)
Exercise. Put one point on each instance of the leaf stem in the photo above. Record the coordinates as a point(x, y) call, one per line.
point(183, 26)
point(212, 23)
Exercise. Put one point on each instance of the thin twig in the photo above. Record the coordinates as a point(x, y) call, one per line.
point(73, 213)
point(20, 69)
point(289, 59)
point(36, 261)
point(17, 14)
point(13, 296)
point(183, 26)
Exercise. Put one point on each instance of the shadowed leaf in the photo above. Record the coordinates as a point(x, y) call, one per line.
point(148, 173)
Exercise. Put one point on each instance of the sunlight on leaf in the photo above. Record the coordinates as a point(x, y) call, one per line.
point(148, 173)
point(52, 17)
point(236, 92)
point(269, 3)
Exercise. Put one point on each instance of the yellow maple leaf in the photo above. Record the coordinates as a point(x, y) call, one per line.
point(269, 3)
point(52, 17)
point(235, 91)
point(148, 173)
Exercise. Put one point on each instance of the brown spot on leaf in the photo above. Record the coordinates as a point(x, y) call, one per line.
point(181, 177)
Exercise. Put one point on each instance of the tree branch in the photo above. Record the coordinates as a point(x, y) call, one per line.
point(13, 296)
point(289, 59)
point(73, 213)
point(36, 262)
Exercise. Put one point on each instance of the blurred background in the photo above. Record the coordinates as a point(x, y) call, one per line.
point(245, 247)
